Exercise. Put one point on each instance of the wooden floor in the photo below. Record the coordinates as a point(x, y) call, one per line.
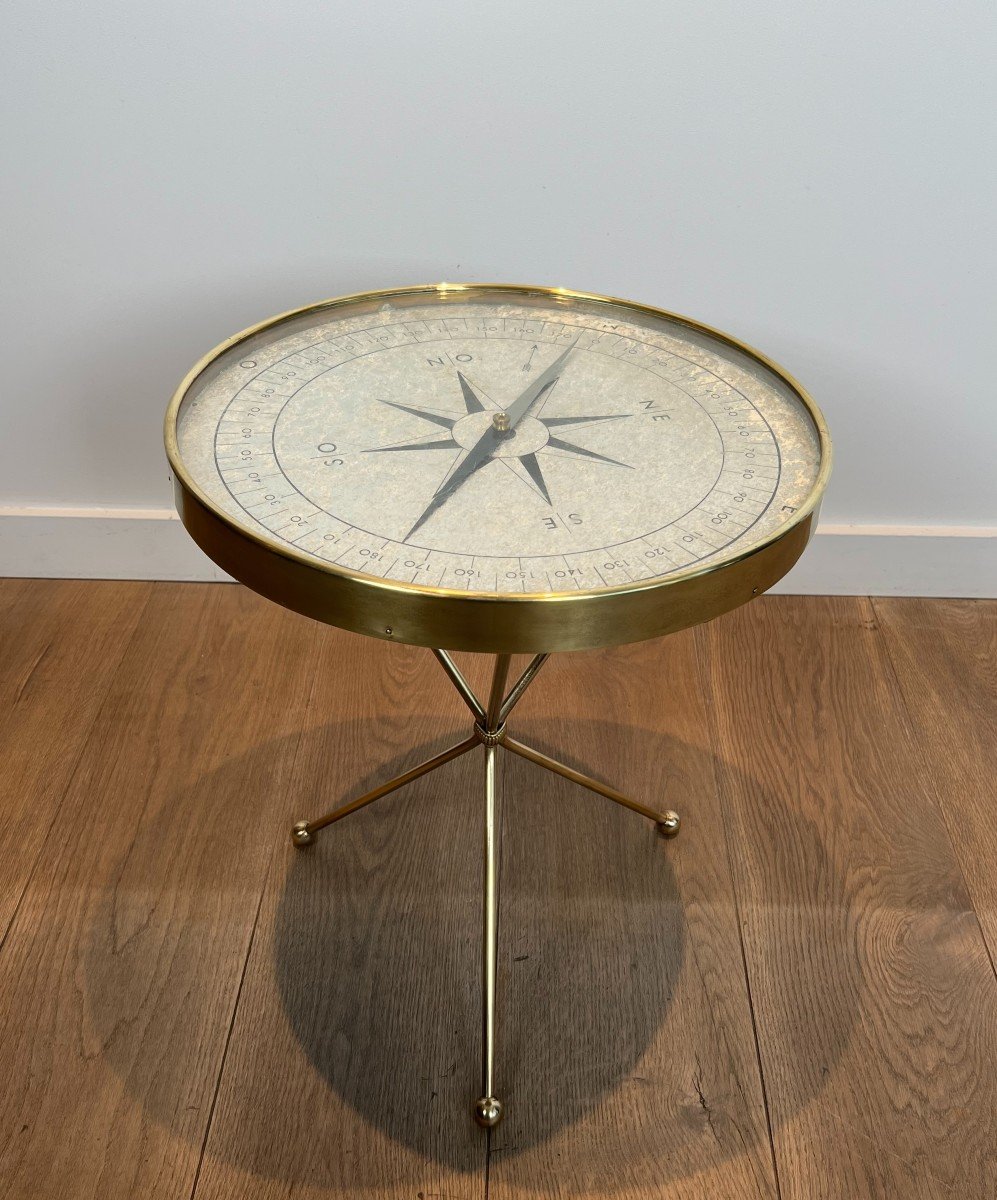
point(795, 999)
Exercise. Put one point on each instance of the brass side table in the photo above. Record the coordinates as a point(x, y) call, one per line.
point(500, 469)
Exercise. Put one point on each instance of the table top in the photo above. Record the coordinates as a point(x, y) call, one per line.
point(497, 467)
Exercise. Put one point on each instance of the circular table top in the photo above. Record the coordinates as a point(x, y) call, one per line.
point(496, 467)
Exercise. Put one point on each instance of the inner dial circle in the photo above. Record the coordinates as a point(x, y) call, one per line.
point(570, 475)
point(501, 443)
point(529, 436)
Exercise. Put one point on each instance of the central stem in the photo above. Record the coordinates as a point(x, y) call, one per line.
point(497, 693)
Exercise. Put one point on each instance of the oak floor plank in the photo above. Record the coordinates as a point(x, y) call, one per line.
point(353, 1056)
point(60, 644)
point(945, 656)
point(875, 1002)
point(626, 1053)
point(119, 976)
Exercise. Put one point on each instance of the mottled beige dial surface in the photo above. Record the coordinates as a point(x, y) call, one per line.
point(499, 443)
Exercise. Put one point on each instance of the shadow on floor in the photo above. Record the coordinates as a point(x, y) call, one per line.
point(592, 943)
point(592, 951)
point(372, 950)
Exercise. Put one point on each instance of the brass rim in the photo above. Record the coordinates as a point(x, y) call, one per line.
point(490, 621)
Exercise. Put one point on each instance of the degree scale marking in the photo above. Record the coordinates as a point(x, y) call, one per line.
point(421, 331)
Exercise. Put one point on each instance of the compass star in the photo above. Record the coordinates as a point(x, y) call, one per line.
point(485, 432)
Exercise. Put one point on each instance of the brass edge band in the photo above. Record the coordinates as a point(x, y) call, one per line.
point(510, 623)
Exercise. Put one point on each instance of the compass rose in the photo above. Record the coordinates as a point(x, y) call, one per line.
point(487, 432)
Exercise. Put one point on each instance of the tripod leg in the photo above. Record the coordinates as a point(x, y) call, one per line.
point(488, 1109)
point(493, 717)
point(667, 822)
point(303, 831)
point(522, 683)
point(461, 684)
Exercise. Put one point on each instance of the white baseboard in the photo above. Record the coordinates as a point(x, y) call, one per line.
point(843, 560)
point(100, 543)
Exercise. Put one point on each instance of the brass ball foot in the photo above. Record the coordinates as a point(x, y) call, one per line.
point(488, 1112)
point(301, 835)
point(669, 824)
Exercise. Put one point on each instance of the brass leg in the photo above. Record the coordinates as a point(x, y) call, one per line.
point(667, 822)
point(493, 717)
point(460, 683)
point(303, 831)
point(524, 681)
point(488, 1108)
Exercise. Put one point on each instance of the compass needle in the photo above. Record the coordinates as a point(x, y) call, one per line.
point(541, 385)
point(459, 473)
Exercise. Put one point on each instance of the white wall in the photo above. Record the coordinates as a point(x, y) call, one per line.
point(814, 178)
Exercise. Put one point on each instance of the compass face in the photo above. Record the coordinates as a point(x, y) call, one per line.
point(509, 442)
